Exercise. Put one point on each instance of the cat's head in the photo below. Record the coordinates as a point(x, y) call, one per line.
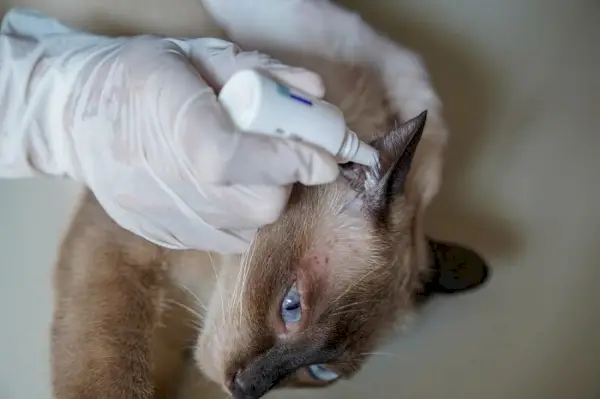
point(320, 288)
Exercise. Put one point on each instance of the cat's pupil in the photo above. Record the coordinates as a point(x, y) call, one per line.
point(291, 306)
point(291, 303)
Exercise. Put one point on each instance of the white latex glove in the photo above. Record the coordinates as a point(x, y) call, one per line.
point(137, 121)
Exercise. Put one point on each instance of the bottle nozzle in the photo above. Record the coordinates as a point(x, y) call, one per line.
point(355, 150)
point(260, 105)
point(366, 155)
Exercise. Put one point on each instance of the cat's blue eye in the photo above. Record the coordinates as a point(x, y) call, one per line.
point(320, 372)
point(291, 306)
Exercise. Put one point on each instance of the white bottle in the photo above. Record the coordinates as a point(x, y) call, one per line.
point(258, 104)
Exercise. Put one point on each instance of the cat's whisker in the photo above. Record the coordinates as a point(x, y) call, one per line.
point(217, 284)
point(350, 287)
point(234, 292)
point(388, 354)
point(348, 308)
point(246, 271)
point(337, 314)
point(356, 303)
point(195, 324)
point(195, 297)
point(194, 312)
point(239, 287)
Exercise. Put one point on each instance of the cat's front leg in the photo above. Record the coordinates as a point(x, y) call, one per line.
point(107, 310)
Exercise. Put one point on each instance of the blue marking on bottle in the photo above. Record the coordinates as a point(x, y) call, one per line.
point(287, 92)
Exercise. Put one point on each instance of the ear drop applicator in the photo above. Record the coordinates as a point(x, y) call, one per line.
point(258, 104)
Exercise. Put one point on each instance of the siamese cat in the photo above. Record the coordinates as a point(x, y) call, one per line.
point(316, 292)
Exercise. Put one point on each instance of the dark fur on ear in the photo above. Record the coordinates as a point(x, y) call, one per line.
point(379, 184)
point(454, 269)
point(397, 150)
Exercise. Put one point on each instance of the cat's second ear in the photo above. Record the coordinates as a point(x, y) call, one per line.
point(380, 183)
point(453, 269)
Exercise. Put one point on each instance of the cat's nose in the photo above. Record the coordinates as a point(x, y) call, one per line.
point(239, 388)
point(263, 373)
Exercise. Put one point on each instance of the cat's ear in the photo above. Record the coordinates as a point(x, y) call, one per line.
point(380, 183)
point(453, 269)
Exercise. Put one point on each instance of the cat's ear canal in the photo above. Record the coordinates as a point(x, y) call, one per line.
point(396, 152)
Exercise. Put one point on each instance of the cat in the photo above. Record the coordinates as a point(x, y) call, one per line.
point(317, 291)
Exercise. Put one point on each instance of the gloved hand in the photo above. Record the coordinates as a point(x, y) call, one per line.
point(137, 120)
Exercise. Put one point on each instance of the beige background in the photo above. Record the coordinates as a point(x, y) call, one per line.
point(522, 186)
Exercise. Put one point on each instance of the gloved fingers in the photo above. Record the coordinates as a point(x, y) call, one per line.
point(268, 160)
point(298, 78)
point(228, 59)
point(209, 145)
point(217, 60)
point(204, 143)
point(242, 207)
point(162, 209)
point(175, 231)
point(168, 211)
